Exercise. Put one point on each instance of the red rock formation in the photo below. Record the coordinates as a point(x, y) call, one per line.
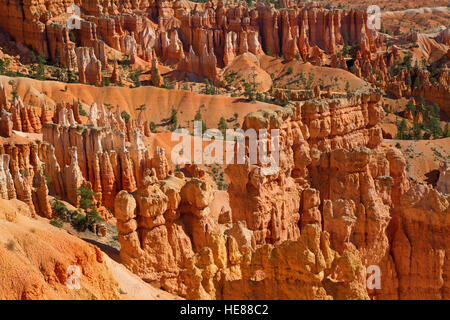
point(72, 178)
point(198, 41)
point(162, 223)
point(308, 131)
point(115, 76)
point(89, 67)
point(24, 118)
point(412, 82)
point(151, 247)
point(64, 114)
point(443, 184)
point(333, 174)
point(40, 195)
point(62, 49)
point(203, 64)
point(444, 36)
point(419, 247)
point(160, 164)
point(221, 271)
point(41, 257)
point(22, 176)
point(103, 156)
point(6, 124)
point(23, 189)
point(196, 196)
point(7, 189)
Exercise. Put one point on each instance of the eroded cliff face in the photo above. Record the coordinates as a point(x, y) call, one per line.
point(110, 154)
point(324, 146)
point(198, 39)
point(379, 69)
point(333, 174)
point(306, 268)
point(338, 202)
point(339, 197)
point(165, 222)
point(419, 248)
point(104, 154)
point(338, 194)
point(161, 224)
point(22, 176)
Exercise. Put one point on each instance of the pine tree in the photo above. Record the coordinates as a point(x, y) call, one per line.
point(417, 131)
point(401, 130)
point(446, 132)
point(222, 126)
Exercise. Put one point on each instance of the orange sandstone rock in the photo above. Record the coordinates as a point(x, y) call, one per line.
point(220, 271)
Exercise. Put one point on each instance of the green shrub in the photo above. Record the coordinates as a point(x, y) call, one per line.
point(11, 245)
point(80, 221)
point(60, 210)
point(125, 116)
point(153, 127)
point(81, 111)
point(56, 223)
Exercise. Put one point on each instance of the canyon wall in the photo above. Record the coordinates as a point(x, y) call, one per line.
point(198, 40)
point(334, 175)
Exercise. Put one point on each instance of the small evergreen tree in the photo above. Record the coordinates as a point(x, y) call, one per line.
point(38, 67)
point(222, 126)
point(153, 127)
point(135, 78)
point(417, 131)
point(83, 222)
point(446, 132)
point(411, 108)
point(198, 117)
point(141, 109)
point(173, 120)
point(81, 111)
point(155, 77)
point(125, 116)
point(347, 88)
point(402, 130)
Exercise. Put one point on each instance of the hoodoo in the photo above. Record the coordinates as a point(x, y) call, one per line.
point(224, 150)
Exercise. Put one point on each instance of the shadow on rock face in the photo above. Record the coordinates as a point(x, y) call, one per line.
point(432, 177)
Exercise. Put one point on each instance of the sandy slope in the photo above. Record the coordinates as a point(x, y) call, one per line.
point(159, 101)
point(35, 255)
point(134, 288)
point(247, 68)
point(283, 78)
point(423, 157)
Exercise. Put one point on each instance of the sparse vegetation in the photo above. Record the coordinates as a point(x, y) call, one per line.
point(14, 94)
point(173, 121)
point(135, 78)
point(218, 177)
point(430, 126)
point(84, 221)
point(209, 87)
point(141, 109)
point(198, 117)
point(347, 88)
point(222, 126)
point(81, 111)
point(125, 116)
point(153, 127)
point(11, 245)
point(38, 67)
